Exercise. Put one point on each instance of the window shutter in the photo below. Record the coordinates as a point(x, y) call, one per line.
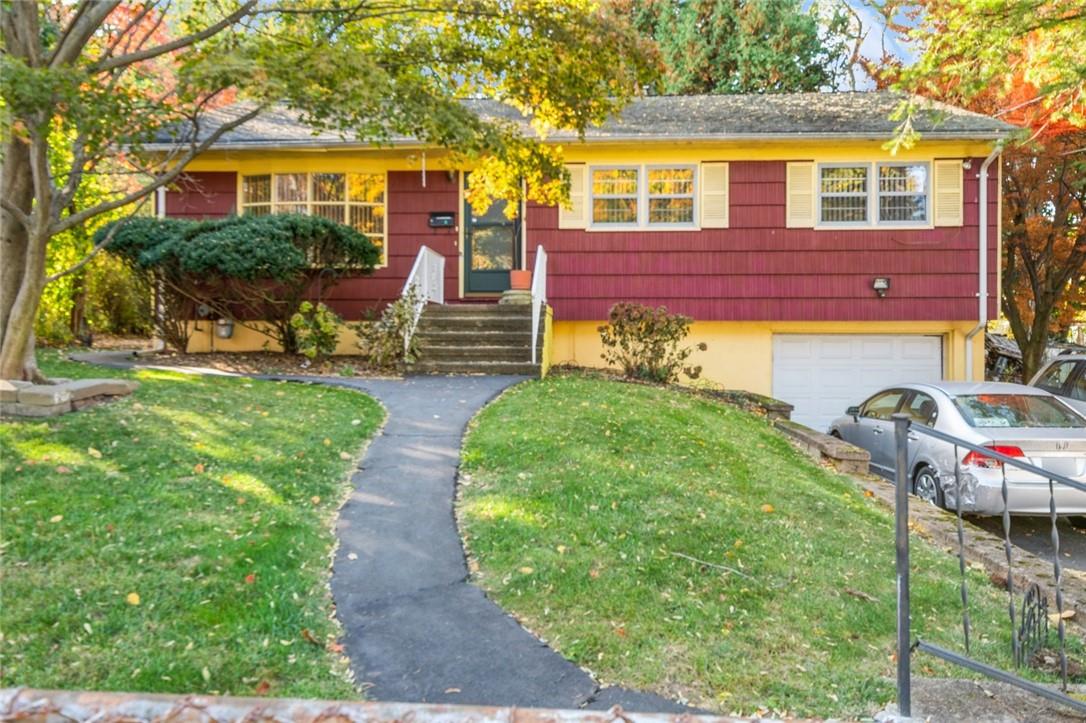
point(800, 211)
point(576, 215)
point(947, 193)
point(714, 195)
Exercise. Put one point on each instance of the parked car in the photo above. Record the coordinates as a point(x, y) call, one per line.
point(1013, 419)
point(1065, 376)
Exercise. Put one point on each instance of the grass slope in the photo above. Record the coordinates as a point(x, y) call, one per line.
point(178, 540)
point(583, 495)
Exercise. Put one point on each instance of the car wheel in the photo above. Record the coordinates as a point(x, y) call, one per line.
point(926, 486)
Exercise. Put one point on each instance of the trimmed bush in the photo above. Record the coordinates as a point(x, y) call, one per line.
point(645, 343)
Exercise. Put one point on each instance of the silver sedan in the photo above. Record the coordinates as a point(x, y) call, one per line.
point(1012, 419)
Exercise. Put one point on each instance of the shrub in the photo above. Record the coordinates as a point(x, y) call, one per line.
point(317, 330)
point(246, 267)
point(646, 343)
point(382, 339)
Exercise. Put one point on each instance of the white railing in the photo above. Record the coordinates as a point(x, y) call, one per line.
point(428, 278)
point(539, 294)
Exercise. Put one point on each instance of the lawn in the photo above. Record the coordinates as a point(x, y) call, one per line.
point(584, 500)
point(178, 540)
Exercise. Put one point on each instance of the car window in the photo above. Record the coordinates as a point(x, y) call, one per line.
point(1078, 388)
point(921, 409)
point(882, 405)
point(1017, 410)
point(1056, 376)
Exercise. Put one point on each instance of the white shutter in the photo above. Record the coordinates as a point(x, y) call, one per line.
point(947, 193)
point(714, 195)
point(575, 216)
point(800, 193)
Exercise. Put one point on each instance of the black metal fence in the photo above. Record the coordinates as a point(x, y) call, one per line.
point(1028, 621)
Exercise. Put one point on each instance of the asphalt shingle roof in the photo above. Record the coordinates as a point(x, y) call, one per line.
point(722, 117)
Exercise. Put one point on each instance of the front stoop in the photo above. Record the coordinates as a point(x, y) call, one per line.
point(477, 339)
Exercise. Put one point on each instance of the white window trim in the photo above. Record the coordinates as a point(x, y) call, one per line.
point(872, 221)
point(642, 199)
point(928, 216)
point(818, 190)
point(310, 203)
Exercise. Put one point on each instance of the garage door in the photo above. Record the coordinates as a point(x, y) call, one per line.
point(822, 375)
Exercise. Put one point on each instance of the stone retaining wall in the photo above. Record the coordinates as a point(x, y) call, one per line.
point(23, 399)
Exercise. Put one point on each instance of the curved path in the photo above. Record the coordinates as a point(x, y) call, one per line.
point(416, 629)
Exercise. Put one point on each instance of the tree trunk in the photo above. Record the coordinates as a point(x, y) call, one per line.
point(18, 300)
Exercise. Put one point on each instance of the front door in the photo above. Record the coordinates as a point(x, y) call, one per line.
point(490, 249)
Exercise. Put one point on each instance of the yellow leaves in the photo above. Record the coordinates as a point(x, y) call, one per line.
point(206, 674)
point(526, 570)
point(768, 508)
point(345, 456)
point(94, 453)
point(315, 499)
point(327, 442)
point(56, 518)
point(198, 468)
point(132, 598)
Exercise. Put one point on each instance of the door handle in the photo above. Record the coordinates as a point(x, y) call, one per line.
point(912, 437)
point(876, 430)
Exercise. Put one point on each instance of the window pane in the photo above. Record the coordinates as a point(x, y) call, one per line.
point(492, 248)
point(263, 209)
point(366, 187)
point(922, 409)
point(291, 208)
point(614, 210)
point(290, 187)
point(903, 179)
point(903, 208)
point(331, 212)
point(852, 179)
point(1056, 376)
point(1016, 410)
point(328, 187)
point(844, 209)
point(370, 220)
point(671, 210)
point(614, 182)
point(671, 181)
point(882, 406)
point(255, 189)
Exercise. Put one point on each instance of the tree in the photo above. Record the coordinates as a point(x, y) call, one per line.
point(1016, 60)
point(744, 46)
point(114, 77)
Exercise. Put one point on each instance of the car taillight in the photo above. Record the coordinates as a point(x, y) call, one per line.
point(978, 459)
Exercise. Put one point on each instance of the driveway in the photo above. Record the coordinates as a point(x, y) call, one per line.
point(1034, 535)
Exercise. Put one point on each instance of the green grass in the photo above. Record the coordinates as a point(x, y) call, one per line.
point(582, 494)
point(209, 498)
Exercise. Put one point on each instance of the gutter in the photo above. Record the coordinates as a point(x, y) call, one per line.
point(982, 266)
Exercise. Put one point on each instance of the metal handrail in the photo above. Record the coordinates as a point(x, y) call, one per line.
point(539, 294)
point(427, 278)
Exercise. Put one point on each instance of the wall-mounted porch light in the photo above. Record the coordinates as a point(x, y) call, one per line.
point(224, 328)
point(881, 285)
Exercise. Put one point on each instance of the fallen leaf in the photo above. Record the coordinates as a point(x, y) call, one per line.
point(56, 518)
point(335, 647)
point(94, 453)
point(452, 690)
point(315, 499)
point(344, 455)
point(198, 468)
point(352, 556)
point(526, 570)
point(132, 598)
point(327, 442)
point(63, 470)
point(309, 638)
point(250, 578)
point(88, 628)
point(206, 674)
point(262, 688)
point(356, 422)
point(767, 508)
point(860, 594)
point(868, 493)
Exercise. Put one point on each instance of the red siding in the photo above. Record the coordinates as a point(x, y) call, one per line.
point(203, 195)
point(757, 270)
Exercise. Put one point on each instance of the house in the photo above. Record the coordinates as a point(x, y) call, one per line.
point(817, 265)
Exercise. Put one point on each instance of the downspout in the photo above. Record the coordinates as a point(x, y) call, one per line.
point(982, 251)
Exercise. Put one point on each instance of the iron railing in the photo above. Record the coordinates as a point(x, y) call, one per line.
point(427, 280)
point(1035, 607)
point(539, 295)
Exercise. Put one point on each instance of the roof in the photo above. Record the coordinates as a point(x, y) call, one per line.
point(858, 115)
point(956, 389)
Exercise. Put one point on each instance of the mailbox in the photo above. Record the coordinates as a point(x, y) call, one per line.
point(443, 219)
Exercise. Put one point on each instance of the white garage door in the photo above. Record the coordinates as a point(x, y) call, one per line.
point(822, 375)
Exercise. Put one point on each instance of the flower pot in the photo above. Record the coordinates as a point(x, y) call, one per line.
point(520, 280)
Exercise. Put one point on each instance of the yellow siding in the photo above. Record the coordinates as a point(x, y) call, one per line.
point(740, 354)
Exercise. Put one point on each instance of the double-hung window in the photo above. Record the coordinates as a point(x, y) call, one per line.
point(642, 196)
point(873, 194)
point(842, 194)
point(615, 195)
point(354, 199)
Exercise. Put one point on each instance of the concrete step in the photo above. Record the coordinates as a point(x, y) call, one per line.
point(492, 323)
point(475, 353)
point(478, 309)
point(476, 367)
point(456, 335)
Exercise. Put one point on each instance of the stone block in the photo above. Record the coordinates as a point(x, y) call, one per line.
point(9, 389)
point(44, 395)
point(86, 388)
point(38, 410)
